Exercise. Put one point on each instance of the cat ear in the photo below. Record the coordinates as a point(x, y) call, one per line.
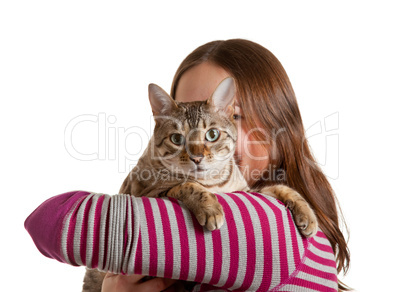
point(223, 97)
point(161, 102)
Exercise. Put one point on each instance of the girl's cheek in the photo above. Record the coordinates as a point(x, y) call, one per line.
point(240, 143)
point(239, 159)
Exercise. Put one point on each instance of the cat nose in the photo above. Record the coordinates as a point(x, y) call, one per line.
point(197, 158)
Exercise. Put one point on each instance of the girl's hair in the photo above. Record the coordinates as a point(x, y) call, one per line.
point(266, 97)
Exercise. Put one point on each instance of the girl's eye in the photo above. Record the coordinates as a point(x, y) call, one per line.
point(236, 117)
point(177, 139)
point(212, 135)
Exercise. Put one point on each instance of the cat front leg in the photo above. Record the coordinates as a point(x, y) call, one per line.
point(303, 214)
point(93, 281)
point(202, 203)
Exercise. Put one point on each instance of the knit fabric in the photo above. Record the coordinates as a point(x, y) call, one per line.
point(257, 249)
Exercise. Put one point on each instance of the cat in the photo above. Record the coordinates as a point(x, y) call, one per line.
point(191, 156)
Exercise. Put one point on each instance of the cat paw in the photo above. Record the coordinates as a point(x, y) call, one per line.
point(210, 215)
point(304, 217)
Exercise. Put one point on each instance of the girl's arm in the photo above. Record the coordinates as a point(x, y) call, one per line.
point(258, 247)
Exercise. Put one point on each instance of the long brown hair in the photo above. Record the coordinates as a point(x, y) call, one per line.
point(265, 94)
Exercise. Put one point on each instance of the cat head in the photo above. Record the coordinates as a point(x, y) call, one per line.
point(194, 137)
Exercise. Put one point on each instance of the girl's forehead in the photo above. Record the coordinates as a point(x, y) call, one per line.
point(199, 82)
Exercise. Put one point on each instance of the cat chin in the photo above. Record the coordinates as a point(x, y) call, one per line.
point(198, 171)
point(200, 175)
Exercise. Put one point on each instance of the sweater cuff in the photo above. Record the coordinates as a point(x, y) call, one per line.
point(44, 224)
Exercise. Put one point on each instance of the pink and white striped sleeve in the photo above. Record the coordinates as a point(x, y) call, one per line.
point(257, 249)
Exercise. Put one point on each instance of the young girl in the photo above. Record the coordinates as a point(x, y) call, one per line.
point(267, 111)
point(271, 148)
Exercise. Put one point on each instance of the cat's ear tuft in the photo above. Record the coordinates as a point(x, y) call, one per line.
point(223, 97)
point(161, 102)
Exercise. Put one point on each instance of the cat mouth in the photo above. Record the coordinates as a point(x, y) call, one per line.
point(199, 169)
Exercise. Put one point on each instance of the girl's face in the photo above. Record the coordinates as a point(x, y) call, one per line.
point(198, 83)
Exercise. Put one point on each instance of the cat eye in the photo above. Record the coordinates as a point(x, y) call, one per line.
point(212, 135)
point(177, 139)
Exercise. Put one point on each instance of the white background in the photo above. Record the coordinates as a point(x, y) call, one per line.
point(60, 60)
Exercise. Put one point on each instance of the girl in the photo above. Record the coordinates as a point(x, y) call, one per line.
point(267, 112)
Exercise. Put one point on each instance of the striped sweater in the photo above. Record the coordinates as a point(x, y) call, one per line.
point(257, 249)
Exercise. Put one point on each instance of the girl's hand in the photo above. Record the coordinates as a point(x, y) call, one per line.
point(122, 283)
